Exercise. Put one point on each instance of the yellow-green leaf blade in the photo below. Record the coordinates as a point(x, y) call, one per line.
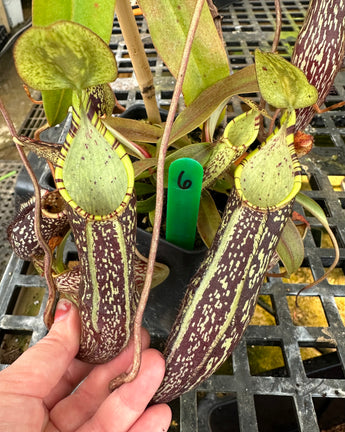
point(290, 248)
point(56, 104)
point(97, 16)
point(241, 82)
point(169, 21)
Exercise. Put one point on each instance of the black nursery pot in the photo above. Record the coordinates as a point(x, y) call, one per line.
point(165, 299)
point(221, 4)
point(24, 188)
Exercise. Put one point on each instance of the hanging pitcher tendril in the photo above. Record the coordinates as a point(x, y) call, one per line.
point(48, 314)
point(278, 20)
point(127, 377)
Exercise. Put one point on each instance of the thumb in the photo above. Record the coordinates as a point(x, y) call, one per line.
point(42, 365)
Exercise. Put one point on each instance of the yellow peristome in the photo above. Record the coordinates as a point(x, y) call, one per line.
point(66, 184)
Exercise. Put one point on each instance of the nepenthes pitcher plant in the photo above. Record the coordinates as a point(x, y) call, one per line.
point(95, 199)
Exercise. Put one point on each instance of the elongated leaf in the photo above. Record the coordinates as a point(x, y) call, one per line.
point(97, 16)
point(143, 188)
point(215, 119)
point(208, 219)
point(135, 130)
point(290, 248)
point(314, 208)
point(46, 12)
point(58, 63)
point(147, 205)
point(241, 82)
point(142, 165)
point(168, 22)
point(56, 104)
point(199, 152)
point(160, 272)
point(282, 84)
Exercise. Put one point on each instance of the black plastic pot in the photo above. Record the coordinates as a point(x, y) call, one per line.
point(221, 4)
point(24, 188)
point(165, 299)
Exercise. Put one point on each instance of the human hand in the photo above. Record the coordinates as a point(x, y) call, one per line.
point(35, 391)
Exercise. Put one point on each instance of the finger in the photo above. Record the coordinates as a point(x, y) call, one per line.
point(126, 404)
point(40, 368)
point(156, 418)
point(74, 375)
point(80, 406)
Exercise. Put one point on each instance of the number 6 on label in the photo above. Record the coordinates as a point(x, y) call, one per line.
point(184, 189)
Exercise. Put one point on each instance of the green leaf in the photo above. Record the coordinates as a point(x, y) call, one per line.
point(290, 248)
point(56, 104)
point(160, 272)
point(135, 130)
point(98, 16)
point(270, 175)
point(46, 12)
point(141, 166)
point(243, 81)
point(143, 188)
point(208, 219)
point(67, 56)
point(314, 208)
point(199, 152)
point(168, 22)
point(146, 205)
point(283, 85)
point(215, 120)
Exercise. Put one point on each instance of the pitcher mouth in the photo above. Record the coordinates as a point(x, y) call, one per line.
point(270, 176)
point(107, 183)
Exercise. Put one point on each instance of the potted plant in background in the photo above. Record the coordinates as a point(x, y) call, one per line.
point(96, 179)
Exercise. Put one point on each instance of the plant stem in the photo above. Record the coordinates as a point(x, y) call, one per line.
point(217, 19)
point(138, 57)
point(159, 200)
point(278, 25)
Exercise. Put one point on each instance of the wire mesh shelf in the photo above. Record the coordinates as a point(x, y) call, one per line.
point(300, 384)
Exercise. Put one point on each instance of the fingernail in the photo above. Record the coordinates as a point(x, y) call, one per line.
point(62, 309)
